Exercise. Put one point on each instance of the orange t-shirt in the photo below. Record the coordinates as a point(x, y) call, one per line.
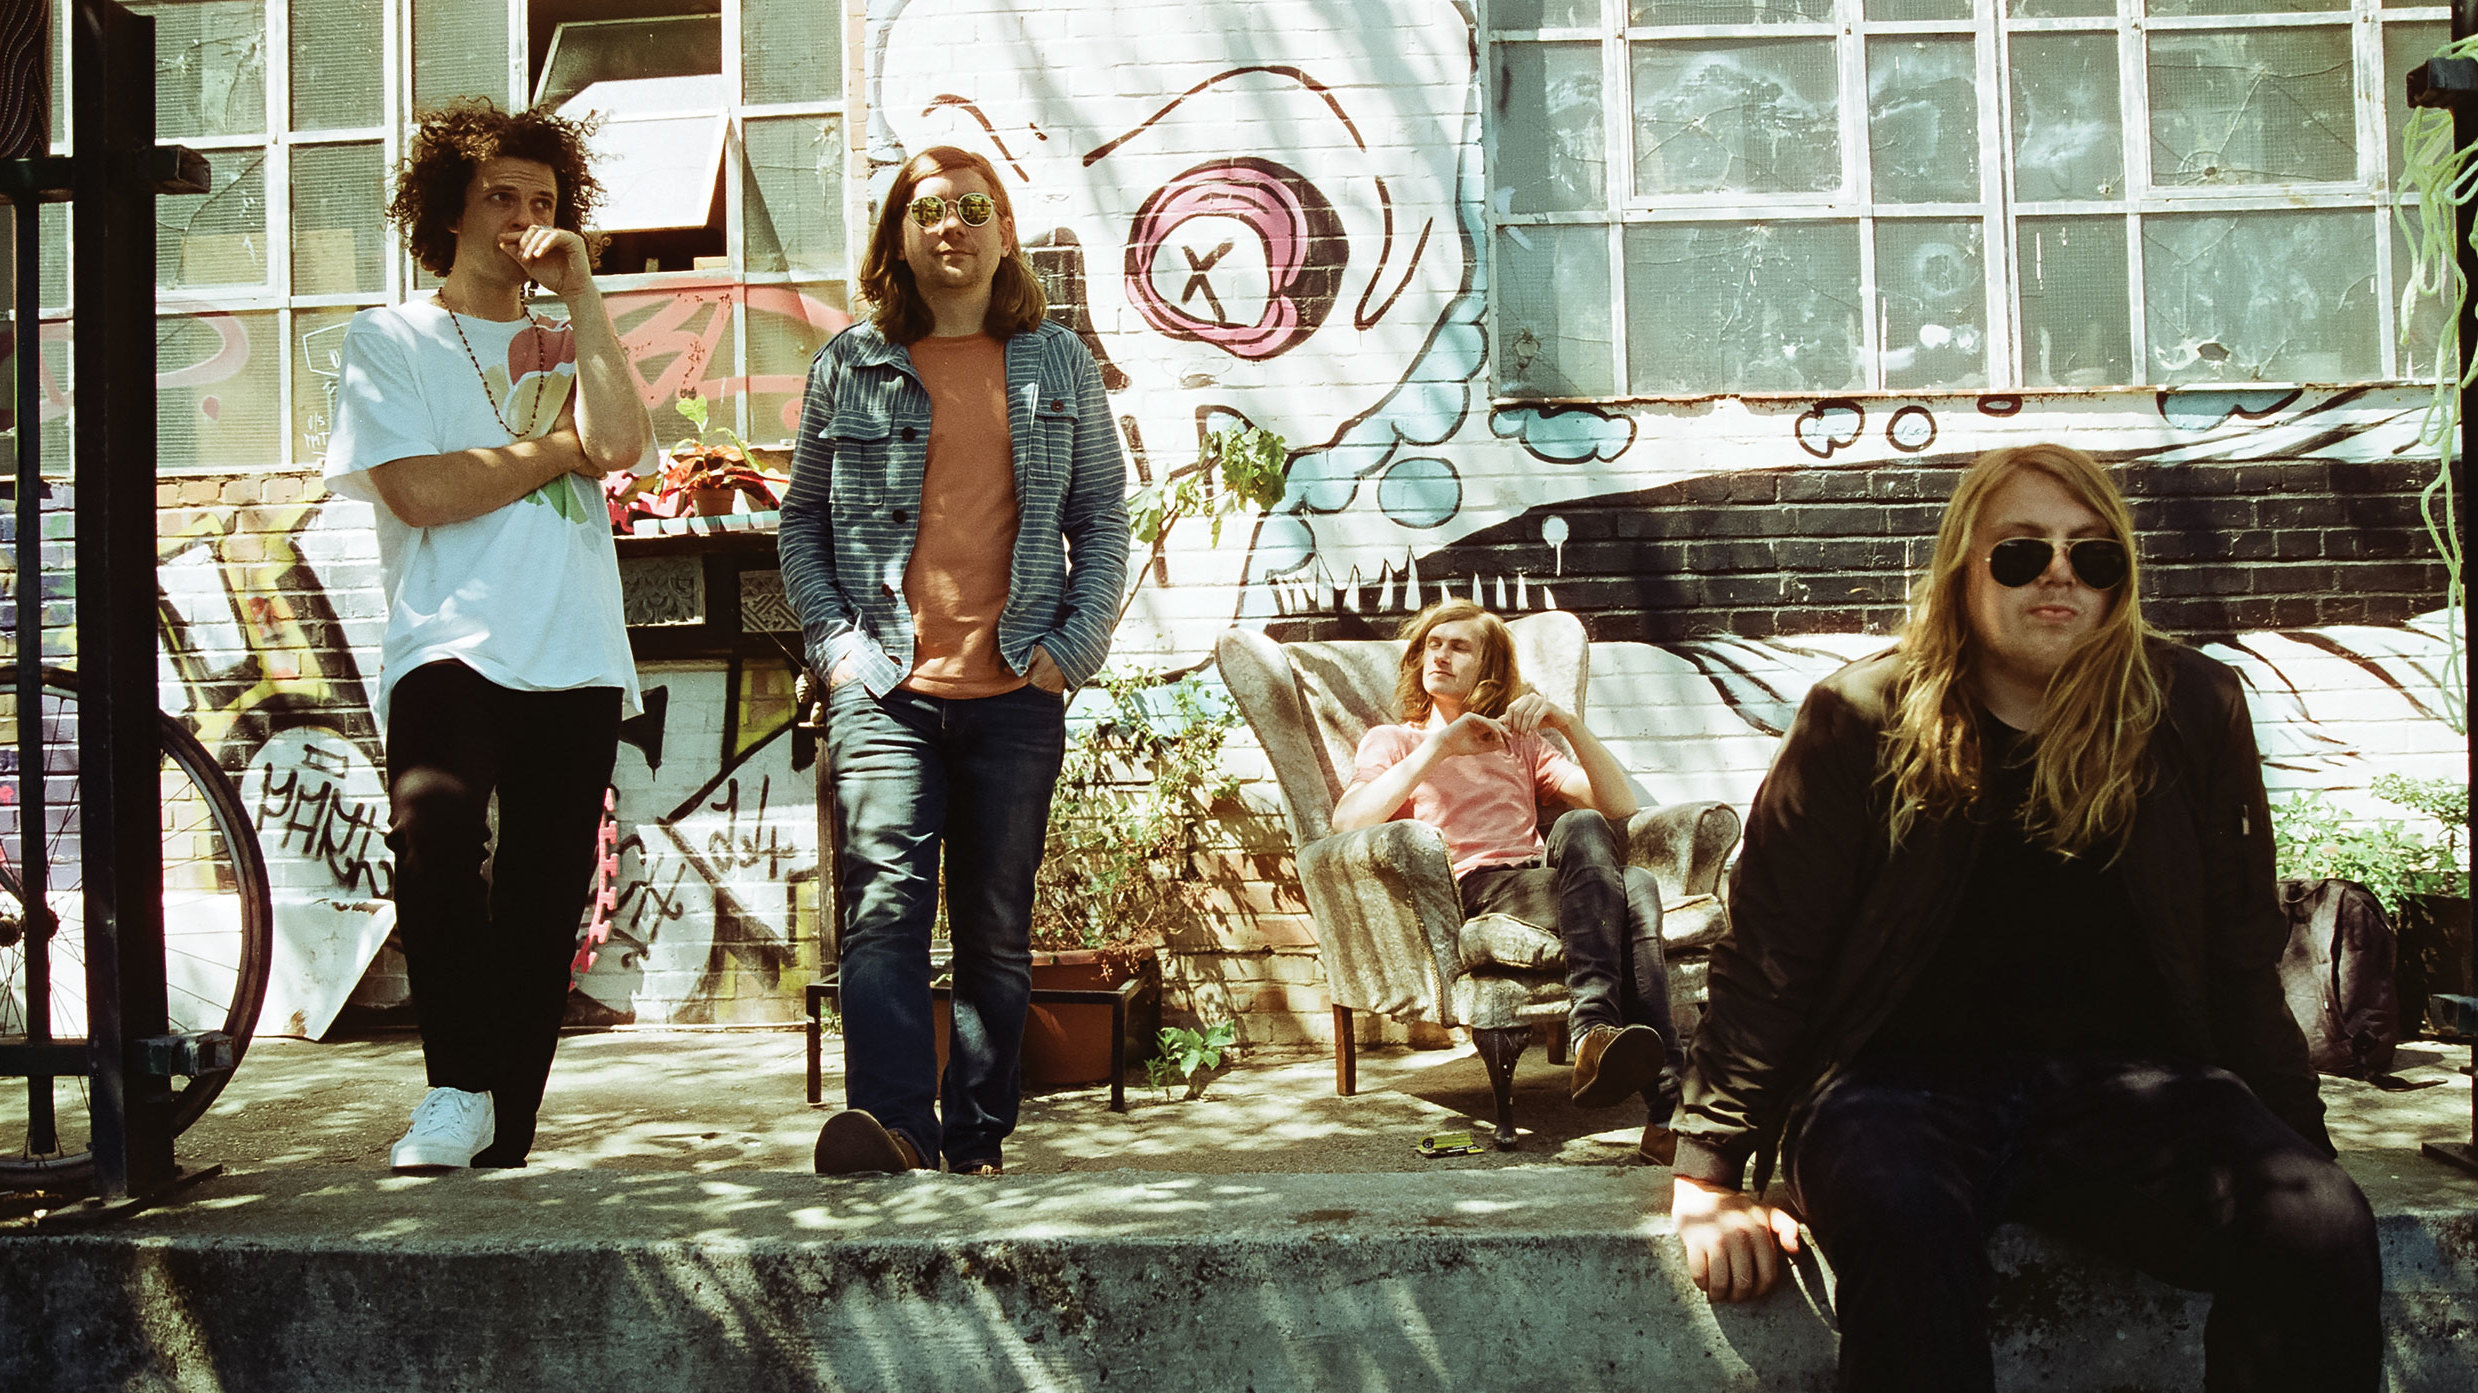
point(963, 555)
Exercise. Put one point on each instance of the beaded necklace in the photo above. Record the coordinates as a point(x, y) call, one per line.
point(541, 368)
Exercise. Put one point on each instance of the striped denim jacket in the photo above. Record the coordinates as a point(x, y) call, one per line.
point(851, 514)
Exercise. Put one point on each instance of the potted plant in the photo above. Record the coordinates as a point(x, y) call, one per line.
point(703, 475)
point(1136, 801)
point(2415, 869)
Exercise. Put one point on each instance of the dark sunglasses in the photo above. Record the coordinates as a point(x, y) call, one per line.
point(976, 209)
point(2098, 562)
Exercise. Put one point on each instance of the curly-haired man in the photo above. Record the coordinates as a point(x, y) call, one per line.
point(479, 432)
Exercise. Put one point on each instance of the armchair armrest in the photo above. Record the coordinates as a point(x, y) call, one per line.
point(1387, 917)
point(1684, 845)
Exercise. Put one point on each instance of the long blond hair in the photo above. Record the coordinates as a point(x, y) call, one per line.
point(2088, 768)
point(1500, 679)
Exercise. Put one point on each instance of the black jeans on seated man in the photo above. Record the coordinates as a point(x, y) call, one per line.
point(1608, 916)
point(1905, 1163)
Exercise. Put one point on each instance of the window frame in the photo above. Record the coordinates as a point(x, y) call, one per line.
point(1992, 32)
point(399, 278)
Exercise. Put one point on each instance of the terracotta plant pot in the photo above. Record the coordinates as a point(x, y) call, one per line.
point(710, 502)
point(1066, 1045)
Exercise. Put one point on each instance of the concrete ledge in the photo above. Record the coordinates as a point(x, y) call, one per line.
point(1534, 1276)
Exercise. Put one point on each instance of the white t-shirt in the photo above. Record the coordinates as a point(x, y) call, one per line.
point(526, 595)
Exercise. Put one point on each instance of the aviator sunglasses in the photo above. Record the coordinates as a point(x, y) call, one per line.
point(2098, 562)
point(976, 209)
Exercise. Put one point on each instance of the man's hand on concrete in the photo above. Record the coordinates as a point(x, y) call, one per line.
point(1532, 711)
point(1733, 1241)
point(1470, 734)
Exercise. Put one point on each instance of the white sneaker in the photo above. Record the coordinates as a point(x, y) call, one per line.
point(450, 1127)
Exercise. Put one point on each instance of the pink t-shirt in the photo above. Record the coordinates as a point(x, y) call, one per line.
point(1488, 805)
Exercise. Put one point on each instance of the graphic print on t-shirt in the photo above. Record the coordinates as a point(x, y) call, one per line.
point(530, 390)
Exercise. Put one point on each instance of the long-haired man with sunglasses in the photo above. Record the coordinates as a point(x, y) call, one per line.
point(954, 540)
point(2004, 947)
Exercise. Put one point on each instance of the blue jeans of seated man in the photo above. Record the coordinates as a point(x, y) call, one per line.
point(1608, 916)
point(913, 775)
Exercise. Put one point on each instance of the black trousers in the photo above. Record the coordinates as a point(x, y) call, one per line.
point(1905, 1166)
point(488, 956)
point(1608, 916)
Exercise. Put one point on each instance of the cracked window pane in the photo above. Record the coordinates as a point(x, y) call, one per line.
point(1737, 115)
point(1923, 119)
point(2261, 297)
point(2405, 46)
point(2252, 107)
point(1918, 9)
point(1728, 11)
point(1550, 148)
point(1753, 307)
point(210, 67)
point(1931, 284)
point(2067, 140)
point(2077, 329)
point(336, 55)
point(2061, 9)
point(1520, 15)
point(218, 237)
point(1551, 303)
point(215, 405)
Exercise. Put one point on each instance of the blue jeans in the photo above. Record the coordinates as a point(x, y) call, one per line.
point(1608, 916)
point(912, 773)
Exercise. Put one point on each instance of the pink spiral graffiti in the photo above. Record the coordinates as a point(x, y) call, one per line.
point(1267, 204)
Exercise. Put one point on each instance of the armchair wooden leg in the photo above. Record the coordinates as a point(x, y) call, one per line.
point(1558, 1043)
point(1346, 1054)
point(1498, 1050)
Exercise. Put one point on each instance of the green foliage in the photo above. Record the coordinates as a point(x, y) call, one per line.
point(1135, 802)
point(2316, 840)
point(1190, 1056)
point(1239, 466)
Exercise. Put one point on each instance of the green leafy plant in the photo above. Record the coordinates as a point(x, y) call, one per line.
point(1189, 1057)
point(1237, 467)
point(2315, 839)
point(1134, 803)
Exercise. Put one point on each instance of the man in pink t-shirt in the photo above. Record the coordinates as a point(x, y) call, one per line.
point(1472, 759)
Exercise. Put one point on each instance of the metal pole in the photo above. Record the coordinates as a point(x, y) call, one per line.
point(112, 53)
point(32, 870)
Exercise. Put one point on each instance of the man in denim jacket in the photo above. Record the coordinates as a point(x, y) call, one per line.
point(955, 541)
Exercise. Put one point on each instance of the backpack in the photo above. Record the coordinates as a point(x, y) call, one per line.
point(2337, 975)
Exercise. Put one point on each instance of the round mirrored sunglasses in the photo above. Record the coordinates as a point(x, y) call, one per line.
point(2098, 562)
point(976, 209)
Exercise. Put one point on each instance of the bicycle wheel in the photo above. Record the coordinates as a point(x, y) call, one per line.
point(219, 927)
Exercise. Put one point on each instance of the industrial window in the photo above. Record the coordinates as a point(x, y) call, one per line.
point(302, 107)
point(1825, 196)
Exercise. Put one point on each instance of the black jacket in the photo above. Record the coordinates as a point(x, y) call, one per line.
point(1829, 924)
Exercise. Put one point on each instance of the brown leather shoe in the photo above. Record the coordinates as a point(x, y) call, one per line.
point(1613, 1064)
point(1659, 1146)
point(854, 1143)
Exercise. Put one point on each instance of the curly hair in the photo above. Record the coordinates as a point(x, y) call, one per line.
point(450, 143)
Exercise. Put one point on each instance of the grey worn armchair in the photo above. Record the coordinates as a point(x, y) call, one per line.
point(1390, 926)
